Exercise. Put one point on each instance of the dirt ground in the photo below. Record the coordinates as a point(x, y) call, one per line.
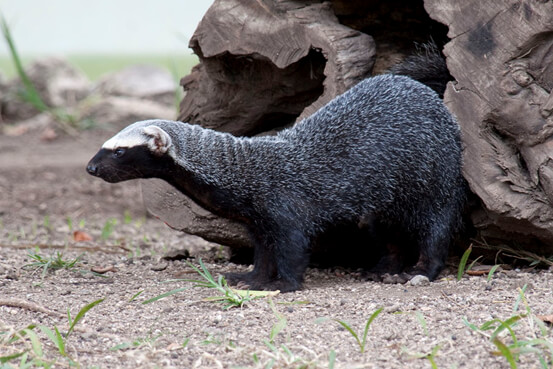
point(45, 195)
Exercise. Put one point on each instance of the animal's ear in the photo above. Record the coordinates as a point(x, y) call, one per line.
point(159, 141)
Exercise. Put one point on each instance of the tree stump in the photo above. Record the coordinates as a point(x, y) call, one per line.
point(267, 64)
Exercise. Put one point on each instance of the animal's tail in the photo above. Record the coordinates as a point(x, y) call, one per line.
point(427, 66)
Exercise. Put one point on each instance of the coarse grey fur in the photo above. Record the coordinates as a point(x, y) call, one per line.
point(387, 152)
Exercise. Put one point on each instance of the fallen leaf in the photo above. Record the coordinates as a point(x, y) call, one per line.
point(173, 346)
point(548, 319)
point(80, 236)
point(49, 134)
point(103, 270)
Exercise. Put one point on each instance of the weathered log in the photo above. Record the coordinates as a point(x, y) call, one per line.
point(181, 213)
point(265, 64)
point(256, 57)
point(501, 55)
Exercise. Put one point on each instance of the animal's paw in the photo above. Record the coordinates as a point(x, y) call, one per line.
point(253, 282)
point(372, 276)
point(280, 285)
point(395, 278)
point(240, 280)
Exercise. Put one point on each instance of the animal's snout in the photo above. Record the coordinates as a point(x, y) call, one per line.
point(92, 168)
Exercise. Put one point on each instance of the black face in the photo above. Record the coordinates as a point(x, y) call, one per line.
point(123, 164)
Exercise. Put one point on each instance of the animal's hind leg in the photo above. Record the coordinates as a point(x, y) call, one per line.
point(433, 241)
point(291, 254)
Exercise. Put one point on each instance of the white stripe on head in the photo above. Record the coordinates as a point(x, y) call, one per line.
point(126, 138)
point(144, 133)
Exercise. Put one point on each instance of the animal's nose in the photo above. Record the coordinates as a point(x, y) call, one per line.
point(92, 169)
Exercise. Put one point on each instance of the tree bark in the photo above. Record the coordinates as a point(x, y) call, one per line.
point(265, 64)
point(501, 56)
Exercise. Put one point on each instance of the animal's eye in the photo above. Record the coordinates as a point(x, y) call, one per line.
point(118, 152)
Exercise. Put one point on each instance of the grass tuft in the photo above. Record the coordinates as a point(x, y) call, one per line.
point(280, 323)
point(228, 296)
point(53, 262)
point(108, 228)
point(508, 344)
point(361, 341)
point(32, 354)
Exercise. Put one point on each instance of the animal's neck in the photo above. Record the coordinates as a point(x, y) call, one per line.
point(214, 170)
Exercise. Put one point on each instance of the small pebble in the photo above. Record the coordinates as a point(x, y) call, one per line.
point(159, 266)
point(419, 280)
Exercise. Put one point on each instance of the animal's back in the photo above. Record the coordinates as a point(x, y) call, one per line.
point(387, 146)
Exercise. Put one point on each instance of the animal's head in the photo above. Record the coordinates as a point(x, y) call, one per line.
point(138, 151)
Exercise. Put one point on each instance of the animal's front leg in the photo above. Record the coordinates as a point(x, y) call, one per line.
point(281, 257)
point(264, 270)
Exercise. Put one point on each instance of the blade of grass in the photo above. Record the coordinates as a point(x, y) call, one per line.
point(366, 331)
point(463, 263)
point(81, 315)
point(331, 359)
point(504, 350)
point(35, 342)
point(491, 273)
point(7, 358)
point(56, 338)
point(422, 321)
point(14, 337)
point(136, 295)
point(280, 323)
point(31, 95)
point(507, 325)
point(231, 297)
point(166, 294)
point(352, 332)
point(432, 355)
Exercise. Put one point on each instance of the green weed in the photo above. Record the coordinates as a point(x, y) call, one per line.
point(127, 218)
point(463, 263)
point(280, 323)
point(361, 341)
point(139, 342)
point(53, 262)
point(108, 228)
point(331, 359)
point(501, 334)
point(431, 356)
point(229, 297)
point(282, 357)
point(69, 223)
point(492, 272)
point(136, 295)
point(33, 354)
point(212, 340)
point(46, 223)
point(29, 94)
point(163, 295)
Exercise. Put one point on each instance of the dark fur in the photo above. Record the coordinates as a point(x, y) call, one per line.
point(386, 154)
point(427, 66)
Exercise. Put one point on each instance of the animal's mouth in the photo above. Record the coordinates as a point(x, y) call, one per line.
point(96, 171)
point(97, 168)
